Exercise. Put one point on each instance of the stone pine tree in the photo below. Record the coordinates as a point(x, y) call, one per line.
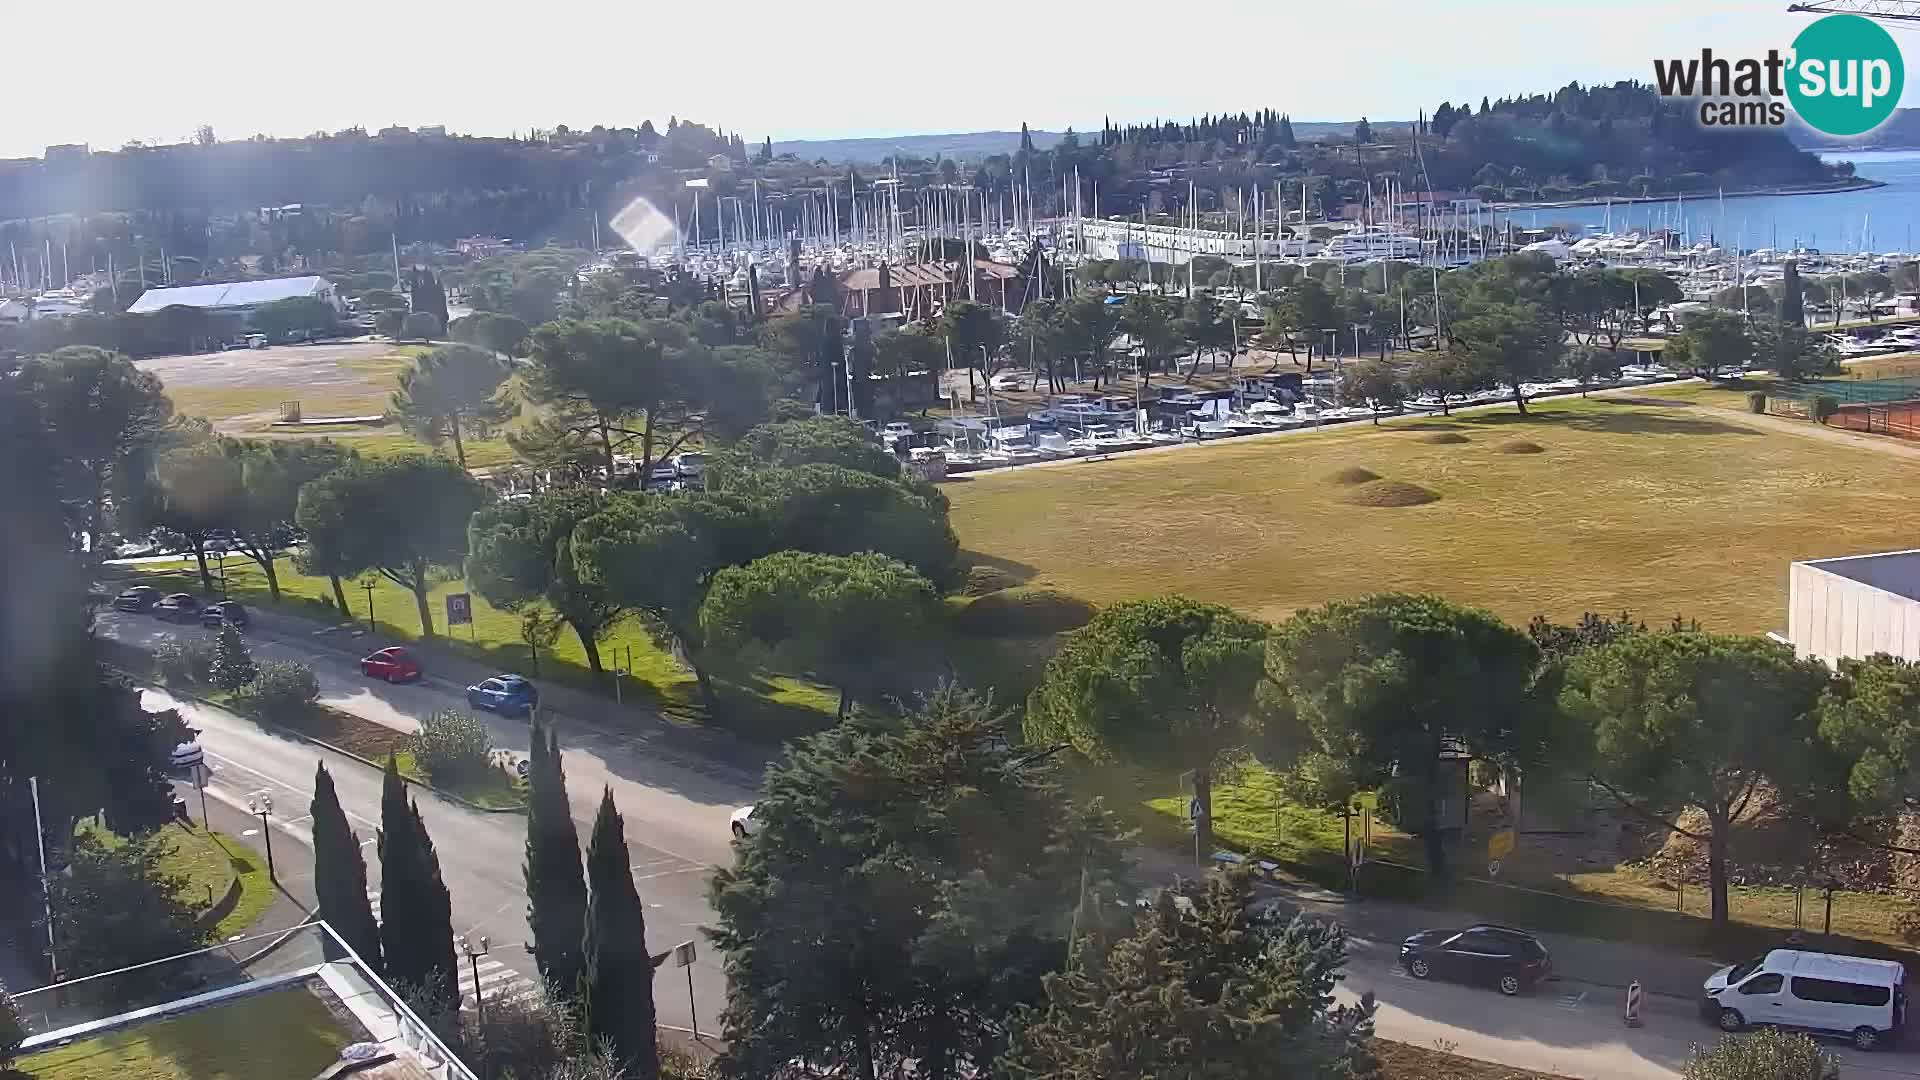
point(556, 887)
point(416, 913)
point(617, 985)
point(340, 874)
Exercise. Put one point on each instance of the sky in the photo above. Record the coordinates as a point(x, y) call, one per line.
point(846, 69)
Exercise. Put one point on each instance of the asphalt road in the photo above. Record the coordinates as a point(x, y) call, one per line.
point(676, 818)
point(676, 824)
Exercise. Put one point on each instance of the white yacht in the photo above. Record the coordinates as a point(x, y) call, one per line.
point(1371, 243)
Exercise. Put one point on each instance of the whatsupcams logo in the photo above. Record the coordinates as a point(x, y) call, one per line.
point(1843, 76)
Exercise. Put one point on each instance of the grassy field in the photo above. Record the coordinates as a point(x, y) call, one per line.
point(241, 393)
point(1658, 509)
point(282, 1033)
point(774, 706)
point(209, 862)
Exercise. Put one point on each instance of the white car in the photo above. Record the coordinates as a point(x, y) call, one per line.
point(1008, 381)
point(897, 429)
point(742, 821)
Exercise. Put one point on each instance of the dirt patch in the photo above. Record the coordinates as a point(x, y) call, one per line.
point(1445, 438)
point(1521, 446)
point(1353, 474)
point(1657, 402)
point(1390, 493)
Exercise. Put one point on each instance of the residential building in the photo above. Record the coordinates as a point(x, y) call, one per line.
point(1855, 606)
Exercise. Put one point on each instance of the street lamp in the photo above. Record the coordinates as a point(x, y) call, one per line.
point(473, 957)
point(369, 583)
point(260, 804)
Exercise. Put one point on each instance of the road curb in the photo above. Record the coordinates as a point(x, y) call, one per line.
point(281, 729)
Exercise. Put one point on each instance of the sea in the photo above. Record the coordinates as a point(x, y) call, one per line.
point(1883, 219)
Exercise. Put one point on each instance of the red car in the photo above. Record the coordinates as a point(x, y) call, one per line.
point(393, 664)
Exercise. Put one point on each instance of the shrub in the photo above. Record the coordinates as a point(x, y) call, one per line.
point(424, 325)
point(1756, 401)
point(1764, 1055)
point(184, 663)
point(453, 746)
point(1022, 612)
point(233, 665)
point(1824, 406)
point(283, 691)
point(13, 1029)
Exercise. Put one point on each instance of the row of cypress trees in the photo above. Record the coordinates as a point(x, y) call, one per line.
point(589, 930)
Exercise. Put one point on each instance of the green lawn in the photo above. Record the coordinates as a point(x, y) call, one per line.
point(1654, 508)
point(282, 1033)
point(773, 706)
point(209, 862)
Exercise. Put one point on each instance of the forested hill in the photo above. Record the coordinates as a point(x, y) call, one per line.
point(1622, 139)
point(1900, 132)
point(350, 167)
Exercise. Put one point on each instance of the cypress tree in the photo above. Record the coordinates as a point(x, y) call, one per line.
point(1793, 310)
point(416, 914)
point(617, 986)
point(233, 665)
point(556, 886)
point(340, 874)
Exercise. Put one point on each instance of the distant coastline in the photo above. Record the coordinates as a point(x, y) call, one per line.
point(1858, 183)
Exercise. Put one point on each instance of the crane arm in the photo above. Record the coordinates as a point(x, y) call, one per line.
point(1898, 11)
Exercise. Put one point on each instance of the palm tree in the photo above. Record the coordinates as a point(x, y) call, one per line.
point(453, 389)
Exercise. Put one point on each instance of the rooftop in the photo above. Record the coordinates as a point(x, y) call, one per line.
point(228, 294)
point(297, 1004)
point(1897, 572)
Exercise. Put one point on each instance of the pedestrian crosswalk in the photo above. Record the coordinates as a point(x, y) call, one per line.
point(496, 981)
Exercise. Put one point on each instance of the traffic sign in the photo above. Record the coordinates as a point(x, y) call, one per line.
point(522, 768)
point(683, 954)
point(186, 755)
point(459, 609)
point(1493, 868)
point(1193, 809)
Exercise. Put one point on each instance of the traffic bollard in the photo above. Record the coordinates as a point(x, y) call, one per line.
point(1634, 998)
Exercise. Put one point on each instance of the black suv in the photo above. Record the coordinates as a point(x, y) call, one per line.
point(1501, 956)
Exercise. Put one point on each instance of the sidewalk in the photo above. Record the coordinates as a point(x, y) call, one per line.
point(1611, 964)
point(293, 898)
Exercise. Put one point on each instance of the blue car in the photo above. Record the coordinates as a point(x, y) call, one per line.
point(509, 695)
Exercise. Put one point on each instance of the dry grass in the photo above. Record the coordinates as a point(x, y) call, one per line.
point(1656, 509)
point(1353, 474)
point(1390, 493)
point(1445, 438)
point(1403, 1061)
point(1521, 446)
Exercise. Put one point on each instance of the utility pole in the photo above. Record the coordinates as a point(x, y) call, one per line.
point(46, 894)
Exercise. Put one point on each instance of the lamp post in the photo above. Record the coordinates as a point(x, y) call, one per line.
point(260, 804)
point(368, 583)
point(473, 958)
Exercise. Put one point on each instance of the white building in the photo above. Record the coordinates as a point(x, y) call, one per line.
point(1855, 606)
point(239, 297)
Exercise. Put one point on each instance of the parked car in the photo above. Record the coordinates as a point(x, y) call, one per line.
point(393, 664)
point(1863, 1000)
point(743, 822)
point(138, 598)
point(177, 607)
point(1008, 380)
point(662, 472)
point(689, 466)
point(509, 695)
point(225, 613)
point(1510, 959)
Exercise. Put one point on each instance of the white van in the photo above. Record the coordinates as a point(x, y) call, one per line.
point(1864, 1000)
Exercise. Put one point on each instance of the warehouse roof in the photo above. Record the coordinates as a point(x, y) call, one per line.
point(231, 294)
